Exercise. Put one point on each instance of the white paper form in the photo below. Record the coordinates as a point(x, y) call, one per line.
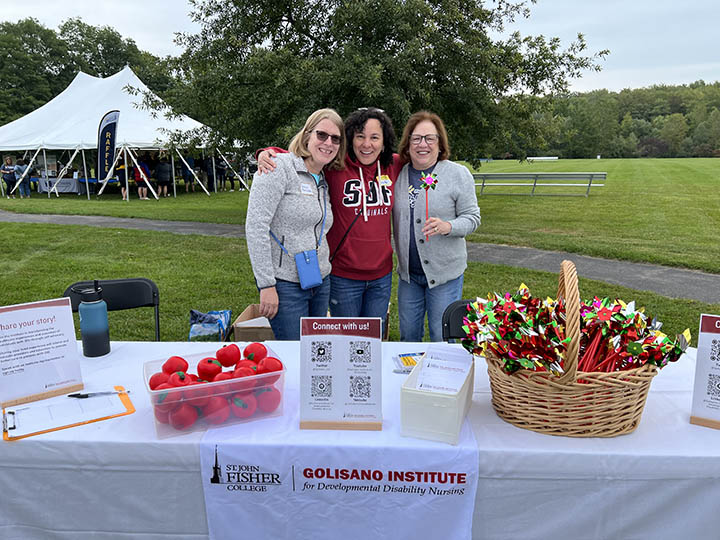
point(444, 369)
point(60, 412)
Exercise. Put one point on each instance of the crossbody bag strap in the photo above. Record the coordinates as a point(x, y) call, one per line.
point(342, 240)
point(322, 228)
point(279, 243)
point(324, 216)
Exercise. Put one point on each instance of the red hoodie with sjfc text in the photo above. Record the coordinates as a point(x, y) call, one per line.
point(363, 194)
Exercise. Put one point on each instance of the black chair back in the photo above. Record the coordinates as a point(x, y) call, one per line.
point(127, 293)
point(452, 320)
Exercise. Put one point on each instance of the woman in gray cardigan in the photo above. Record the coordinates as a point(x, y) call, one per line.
point(431, 252)
point(292, 203)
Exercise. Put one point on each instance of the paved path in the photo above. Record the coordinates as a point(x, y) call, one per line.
point(667, 281)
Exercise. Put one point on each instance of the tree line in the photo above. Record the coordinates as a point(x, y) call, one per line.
point(37, 63)
point(257, 68)
point(659, 121)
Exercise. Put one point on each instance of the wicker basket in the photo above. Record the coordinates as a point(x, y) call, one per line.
point(575, 404)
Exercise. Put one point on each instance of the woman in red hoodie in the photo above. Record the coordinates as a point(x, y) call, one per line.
point(362, 196)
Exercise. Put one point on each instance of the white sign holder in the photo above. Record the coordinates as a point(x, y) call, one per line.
point(341, 373)
point(38, 352)
point(706, 392)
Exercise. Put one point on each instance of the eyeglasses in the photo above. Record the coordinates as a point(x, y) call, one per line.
point(370, 109)
point(431, 139)
point(323, 135)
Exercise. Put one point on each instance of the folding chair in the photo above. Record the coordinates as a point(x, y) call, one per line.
point(452, 320)
point(127, 293)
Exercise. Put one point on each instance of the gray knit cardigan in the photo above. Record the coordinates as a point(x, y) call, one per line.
point(289, 203)
point(443, 257)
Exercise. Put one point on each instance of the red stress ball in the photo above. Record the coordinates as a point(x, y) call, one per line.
point(217, 410)
point(268, 399)
point(183, 417)
point(175, 363)
point(243, 404)
point(229, 355)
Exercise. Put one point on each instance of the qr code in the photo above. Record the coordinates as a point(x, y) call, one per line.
point(321, 386)
point(360, 352)
point(321, 351)
point(359, 387)
point(713, 387)
point(715, 351)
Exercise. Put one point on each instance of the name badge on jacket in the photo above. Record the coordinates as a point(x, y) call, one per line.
point(306, 189)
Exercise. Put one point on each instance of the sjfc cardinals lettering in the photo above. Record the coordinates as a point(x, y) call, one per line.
point(353, 193)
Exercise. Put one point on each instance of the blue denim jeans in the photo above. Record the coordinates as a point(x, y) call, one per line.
point(296, 303)
point(415, 299)
point(356, 298)
point(24, 187)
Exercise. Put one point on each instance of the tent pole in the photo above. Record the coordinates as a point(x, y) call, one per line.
point(64, 170)
point(212, 158)
point(142, 174)
point(109, 174)
point(240, 178)
point(193, 173)
point(172, 165)
point(127, 174)
point(87, 185)
point(27, 171)
point(47, 176)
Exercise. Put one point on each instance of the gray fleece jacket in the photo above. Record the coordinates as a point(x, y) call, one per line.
point(289, 203)
point(443, 257)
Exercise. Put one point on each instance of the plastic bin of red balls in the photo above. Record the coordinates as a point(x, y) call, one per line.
point(226, 386)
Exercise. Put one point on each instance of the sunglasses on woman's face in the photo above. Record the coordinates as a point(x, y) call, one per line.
point(323, 135)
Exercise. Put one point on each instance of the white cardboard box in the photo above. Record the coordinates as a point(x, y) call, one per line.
point(431, 415)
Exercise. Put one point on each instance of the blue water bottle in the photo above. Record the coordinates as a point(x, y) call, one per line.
point(94, 328)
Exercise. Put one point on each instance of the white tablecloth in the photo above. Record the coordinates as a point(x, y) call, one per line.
point(116, 479)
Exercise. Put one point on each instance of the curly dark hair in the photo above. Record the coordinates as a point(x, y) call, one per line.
point(355, 123)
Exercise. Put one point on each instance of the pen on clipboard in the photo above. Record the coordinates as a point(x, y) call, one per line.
point(85, 395)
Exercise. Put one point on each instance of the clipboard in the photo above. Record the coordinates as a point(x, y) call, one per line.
point(36, 418)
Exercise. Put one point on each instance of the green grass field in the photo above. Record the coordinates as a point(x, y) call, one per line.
point(211, 273)
point(662, 211)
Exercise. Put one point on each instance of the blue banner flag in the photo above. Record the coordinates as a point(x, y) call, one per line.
point(106, 143)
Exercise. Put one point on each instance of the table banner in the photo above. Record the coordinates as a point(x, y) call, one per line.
point(64, 185)
point(269, 479)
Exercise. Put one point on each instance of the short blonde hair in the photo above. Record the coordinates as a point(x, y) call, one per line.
point(299, 143)
point(413, 121)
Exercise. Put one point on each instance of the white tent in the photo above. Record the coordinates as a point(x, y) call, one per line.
point(71, 119)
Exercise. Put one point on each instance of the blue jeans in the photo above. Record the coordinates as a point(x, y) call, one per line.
point(415, 299)
point(356, 298)
point(296, 303)
point(24, 188)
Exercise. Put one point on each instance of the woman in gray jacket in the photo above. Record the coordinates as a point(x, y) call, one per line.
point(292, 203)
point(431, 251)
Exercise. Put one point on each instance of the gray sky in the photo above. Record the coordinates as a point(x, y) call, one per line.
point(650, 41)
point(150, 23)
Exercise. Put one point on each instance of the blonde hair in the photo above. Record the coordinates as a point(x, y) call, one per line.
point(299, 143)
